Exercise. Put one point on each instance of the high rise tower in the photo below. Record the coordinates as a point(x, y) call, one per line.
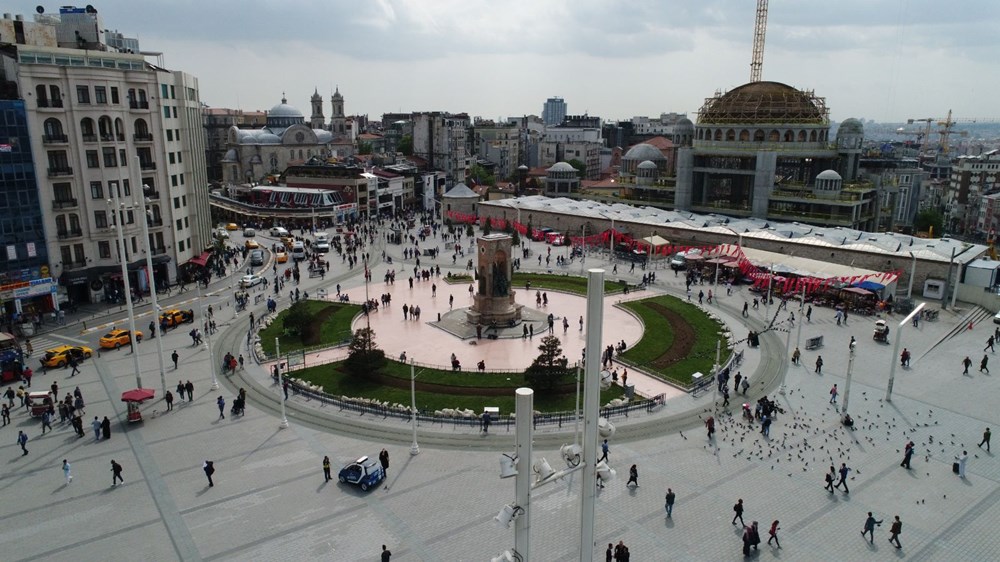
point(554, 111)
point(316, 120)
point(338, 122)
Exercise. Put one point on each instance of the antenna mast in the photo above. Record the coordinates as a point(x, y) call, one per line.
point(760, 27)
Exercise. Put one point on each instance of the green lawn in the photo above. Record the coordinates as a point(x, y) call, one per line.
point(658, 335)
point(568, 283)
point(338, 383)
point(336, 327)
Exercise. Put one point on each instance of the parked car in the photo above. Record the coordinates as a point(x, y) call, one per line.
point(175, 317)
point(250, 281)
point(365, 473)
point(117, 338)
point(59, 356)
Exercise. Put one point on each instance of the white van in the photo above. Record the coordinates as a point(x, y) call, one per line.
point(298, 250)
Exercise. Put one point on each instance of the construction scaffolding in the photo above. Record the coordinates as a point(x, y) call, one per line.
point(764, 102)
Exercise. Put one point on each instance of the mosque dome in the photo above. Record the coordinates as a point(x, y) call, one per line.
point(763, 103)
point(642, 152)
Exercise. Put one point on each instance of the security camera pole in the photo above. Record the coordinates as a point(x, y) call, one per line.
point(895, 349)
point(525, 399)
point(591, 410)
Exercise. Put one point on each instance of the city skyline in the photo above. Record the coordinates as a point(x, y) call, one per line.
point(886, 61)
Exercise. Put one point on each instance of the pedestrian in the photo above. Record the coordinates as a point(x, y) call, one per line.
point(738, 509)
point(844, 471)
point(774, 533)
point(221, 403)
point(581, 323)
point(746, 385)
point(962, 460)
point(66, 471)
point(209, 468)
point(907, 455)
point(96, 424)
point(819, 365)
point(106, 427)
point(169, 398)
point(633, 476)
point(604, 451)
point(833, 394)
point(383, 459)
point(725, 396)
point(190, 390)
point(74, 365)
point(609, 554)
point(710, 426)
point(46, 421)
point(9, 395)
point(326, 469)
point(982, 364)
point(284, 387)
point(869, 528)
point(180, 390)
point(116, 473)
point(966, 363)
point(22, 440)
point(986, 437)
point(669, 502)
point(5, 414)
point(386, 554)
point(175, 357)
point(78, 425)
point(989, 344)
point(830, 478)
point(736, 381)
point(897, 527)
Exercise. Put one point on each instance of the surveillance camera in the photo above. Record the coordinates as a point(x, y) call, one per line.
point(605, 428)
point(605, 472)
point(572, 454)
point(508, 466)
point(508, 514)
point(542, 469)
point(505, 556)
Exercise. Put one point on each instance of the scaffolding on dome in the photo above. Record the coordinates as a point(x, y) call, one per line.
point(764, 102)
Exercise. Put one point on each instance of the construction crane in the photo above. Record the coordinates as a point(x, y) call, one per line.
point(760, 27)
point(923, 136)
point(946, 128)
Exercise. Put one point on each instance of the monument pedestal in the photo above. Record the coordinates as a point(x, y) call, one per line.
point(493, 304)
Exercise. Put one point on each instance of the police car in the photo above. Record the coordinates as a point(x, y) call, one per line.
point(364, 472)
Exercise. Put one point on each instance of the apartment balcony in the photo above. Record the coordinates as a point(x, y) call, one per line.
point(158, 251)
point(155, 222)
point(74, 265)
point(63, 204)
point(142, 137)
point(89, 138)
point(150, 194)
point(50, 104)
point(55, 139)
point(132, 104)
point(60, 171)
point(147, 165)
point(72, 233)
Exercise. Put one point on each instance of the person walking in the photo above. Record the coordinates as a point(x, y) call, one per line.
point(962, 459)
point(844, 471)
point(209, 468)
point(989, 344)
point(180, 390)
point(106, 427)
point(326, 469)
point(73, 365)
point(669, 502)
point(5, 414)
point(96, 424)
point(710, 426)
point(907, 455)
point(174, 357)
point(966, 363)
point(46, 421)
point(66, 471)
point(190, 390)
point(633, 476)
point(116, 473)
point(22, 440)
point(169, 398)
point(986, 437)
point(869, 527)
point(774, 533)
point(736, 382)
point(221, 403)
point(833, 394)
point(819, 365)
point(383, 459)
point(894, 530)
point(738, 509)
point(604, 451)
point(386, 554)
point(982, 364)
point(745, 385)
point(830, 478)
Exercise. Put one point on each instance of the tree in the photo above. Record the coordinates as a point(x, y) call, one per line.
point(364, 357)
point(929, 218)
point(481, 175)
point(406, 145)
point(515, 238)
point(469, 232)
point(364, 148)
point(298, 321)
point(487, 226)
point(549, 368)
point(581, 168)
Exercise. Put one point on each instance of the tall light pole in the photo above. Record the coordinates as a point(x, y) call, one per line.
point(281, 385)
point(152, 286)
point(847, 384)
point(208, 342)
point(802, 305)
point(522, 482)
point(591, 410)
point(414, 448)
point(119, 212)
point(895, 349)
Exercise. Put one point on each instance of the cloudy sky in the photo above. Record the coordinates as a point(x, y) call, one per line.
point(886, 60)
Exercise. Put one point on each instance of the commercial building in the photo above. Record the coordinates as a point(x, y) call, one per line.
point(218, 121)
point(439, 138)
point(553, 111)
point(104, 120)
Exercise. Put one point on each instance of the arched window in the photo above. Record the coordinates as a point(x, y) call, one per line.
point(744, 135)
point(141, 128)
point(234, 175)
point(773, 136)
point(142, 97)
point(730, 135)
point(119, 128)
point(812, 136)
point(802, 136)
point(789, 136)
point(55, 95)
point(104, 124)
point(41, 95)
point(718, 135)
point(53, 129)
point(87, 127)
point(156, 212)
point(291, 154)
point(758, 136)
point(74, 222)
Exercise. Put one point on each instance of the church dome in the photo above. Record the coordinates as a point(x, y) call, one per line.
point(643, 151)
point(764, 103)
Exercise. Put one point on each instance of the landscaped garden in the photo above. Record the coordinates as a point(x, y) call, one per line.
point(309, 323)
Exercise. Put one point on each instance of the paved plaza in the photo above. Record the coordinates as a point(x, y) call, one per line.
point(270, 501)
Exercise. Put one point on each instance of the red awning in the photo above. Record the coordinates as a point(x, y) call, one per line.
point(137, 395)
point(857, 291)
point(201, 260)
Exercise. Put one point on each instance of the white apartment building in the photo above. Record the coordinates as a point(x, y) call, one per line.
point(104, 122)
point(440, 139)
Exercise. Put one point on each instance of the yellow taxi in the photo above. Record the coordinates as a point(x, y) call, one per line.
point(117, 338)
point(232, 226)
point(281, 256)
point(59, 356)
point(175, 317)
point(287, 241)
point(251, 245)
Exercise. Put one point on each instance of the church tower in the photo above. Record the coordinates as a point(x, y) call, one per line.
point(316, 120)
point(338, 121)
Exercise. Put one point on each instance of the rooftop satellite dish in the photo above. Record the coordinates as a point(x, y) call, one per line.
point(40, 9)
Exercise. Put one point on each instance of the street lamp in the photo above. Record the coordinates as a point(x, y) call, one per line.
point(847, 384)
point(208, 342)
point(414, 448)
point(281, 385)
point(895, 349)
point(152, 285)
point(119, 212)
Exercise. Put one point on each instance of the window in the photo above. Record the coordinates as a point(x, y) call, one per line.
point(180, 225)
point(79, 254)
point(130, 217)
point(104, 249)
point(67, 254)
point(100, 219)
point(182, 179)
point(123, 156)
point(184, 200)
point(100, 94)
point(166, 112)
point(58, 160)
point(173, 180)
point(163, 91)
point(142, 99)
point(82, 94)
point(114, 95)
point(175, 111)
point(93, 159)
point(171, 158)
point(62, 191)
point(41, 95)
point(126, 189)
point(87, 129)
point(104, 124)
point(186, 223)
point(177, 202)
point(180, 246)
point(170, 134)
point(110, 159)
point(96, 190)
point(180, 158)
point(172, 96)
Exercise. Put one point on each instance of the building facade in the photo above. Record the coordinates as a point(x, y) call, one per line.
point(218, 121)
point(440, 139)
point(553, 111)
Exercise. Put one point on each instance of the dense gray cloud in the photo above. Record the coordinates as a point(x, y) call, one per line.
point(615, 59)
